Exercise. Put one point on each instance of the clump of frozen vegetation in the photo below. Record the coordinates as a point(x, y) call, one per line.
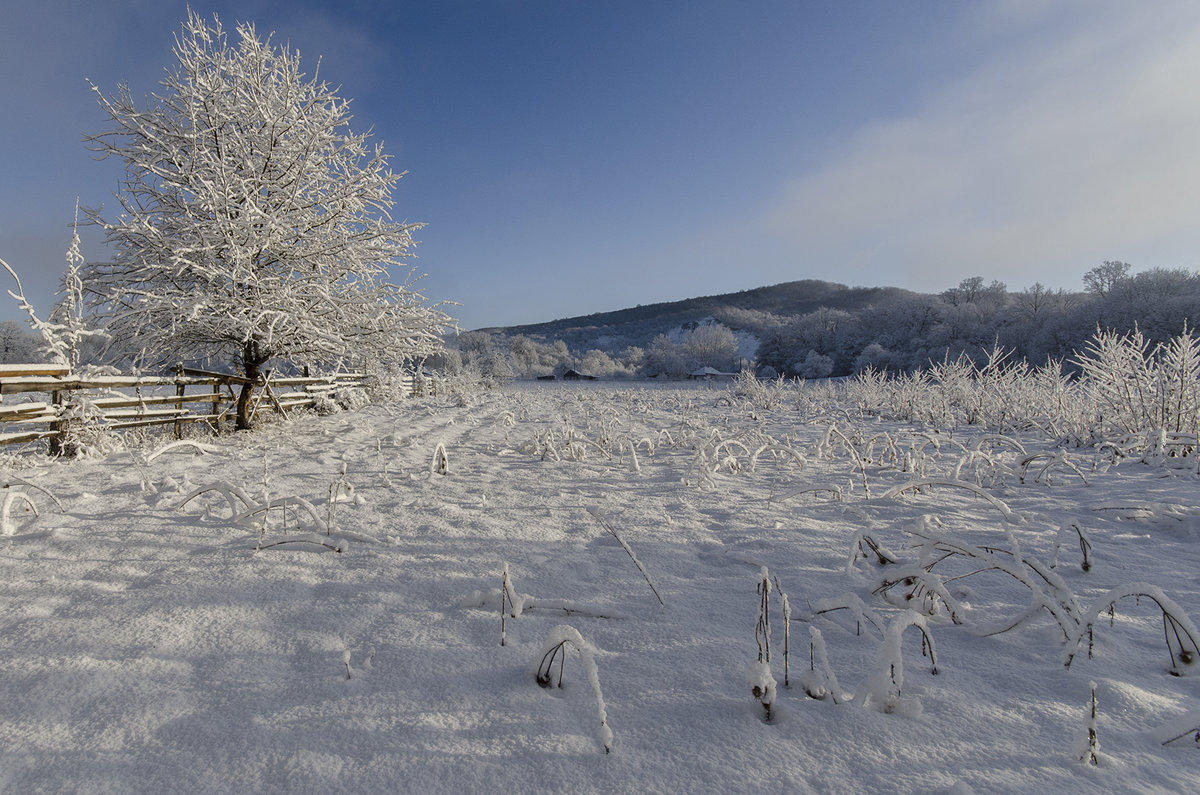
point(555, 650)
point(883, 688)
point(19, 506)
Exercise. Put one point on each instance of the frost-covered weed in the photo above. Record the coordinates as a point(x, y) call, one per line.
point(1140, 388)
point(554, 649)
point(440, 464)
point(883, 688)
point(1181, 635)
point(759, 393)
point(1089, 743)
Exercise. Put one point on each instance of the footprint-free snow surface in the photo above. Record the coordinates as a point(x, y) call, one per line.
point(316, 606)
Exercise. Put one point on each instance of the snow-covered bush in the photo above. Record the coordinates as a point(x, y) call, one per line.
point(1140, 388)
point(764, 394)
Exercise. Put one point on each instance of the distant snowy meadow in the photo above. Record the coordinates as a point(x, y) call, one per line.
point(320, 605)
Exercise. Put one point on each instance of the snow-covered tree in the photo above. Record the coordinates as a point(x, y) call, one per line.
point(16, 343)
point(254, 225)
point(710, 345)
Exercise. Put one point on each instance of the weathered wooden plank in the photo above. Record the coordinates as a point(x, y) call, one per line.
point(19, 370)
point(18, 410)
point(25, 436)
point(126, 414)
point(159, 400)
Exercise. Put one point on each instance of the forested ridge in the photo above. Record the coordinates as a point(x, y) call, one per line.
point(815, 329)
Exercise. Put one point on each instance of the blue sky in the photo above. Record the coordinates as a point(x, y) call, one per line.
point(573, 157)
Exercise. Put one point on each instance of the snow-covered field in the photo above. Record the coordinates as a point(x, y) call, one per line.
point(148, 648)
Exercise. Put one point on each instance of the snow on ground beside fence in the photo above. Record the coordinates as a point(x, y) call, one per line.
point(226, 646)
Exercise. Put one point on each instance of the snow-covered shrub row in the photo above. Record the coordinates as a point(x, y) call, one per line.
point(1131, 397)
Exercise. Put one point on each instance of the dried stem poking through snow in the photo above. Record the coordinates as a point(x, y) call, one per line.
point(628, 550)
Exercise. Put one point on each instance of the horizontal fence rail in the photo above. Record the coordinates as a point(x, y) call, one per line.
point(121, 401)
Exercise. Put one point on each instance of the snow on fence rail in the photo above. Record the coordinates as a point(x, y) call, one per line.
point(211, 399)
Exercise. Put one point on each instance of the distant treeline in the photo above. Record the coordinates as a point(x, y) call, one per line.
point(817, 329)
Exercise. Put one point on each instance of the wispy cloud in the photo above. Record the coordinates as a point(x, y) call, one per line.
point(1073, 139)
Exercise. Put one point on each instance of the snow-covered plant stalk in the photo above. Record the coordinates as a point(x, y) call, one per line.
point(762, 681)
point(852, 603)
point(1048, 591)
point(1093, 738)
point(368, 663)
point(921, 590)
point(506, 602)
point(787, 633)
point(1181, 635)
point(381, 462)
point(919, 485)
point(885, 684)
point(266, 500)
point(866, 547)
point(235, 497)
point(819, 681)
point(1085, 546)
point(440, 465)
point(338, 490)
point(555, 649)
point(628, 550)
point(762, 626)
point(11, 500)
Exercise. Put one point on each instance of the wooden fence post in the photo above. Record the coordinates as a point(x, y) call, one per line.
point(216, 408)
point(179, 390)
point(58, 426)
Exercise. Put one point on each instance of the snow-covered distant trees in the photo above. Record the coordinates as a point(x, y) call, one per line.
point(254, 224)
point(910, 332)
point(707, 345)
point(16, 343)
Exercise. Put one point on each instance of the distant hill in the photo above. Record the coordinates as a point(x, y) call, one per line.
point(748, 310)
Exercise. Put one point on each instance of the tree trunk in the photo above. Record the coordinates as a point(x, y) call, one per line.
point(251, 364)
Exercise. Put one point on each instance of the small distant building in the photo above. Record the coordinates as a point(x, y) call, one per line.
point(574, 375)
point(711, 373)
point(546, 377)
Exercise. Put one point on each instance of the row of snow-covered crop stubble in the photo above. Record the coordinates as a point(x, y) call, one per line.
point(982, 516)
point(633, 547)
point(1128, 395)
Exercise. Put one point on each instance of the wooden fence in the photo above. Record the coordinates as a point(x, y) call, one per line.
point(118, 402)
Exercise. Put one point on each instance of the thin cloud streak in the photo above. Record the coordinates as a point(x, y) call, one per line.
point(1055, 154)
